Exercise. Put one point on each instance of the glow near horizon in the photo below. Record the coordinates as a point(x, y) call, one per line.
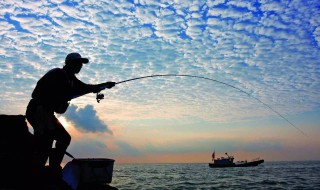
point(267, 48)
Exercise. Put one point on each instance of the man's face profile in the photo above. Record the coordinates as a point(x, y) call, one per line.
point(76, 67)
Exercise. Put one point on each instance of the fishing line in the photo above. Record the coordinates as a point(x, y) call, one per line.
point(217, 81)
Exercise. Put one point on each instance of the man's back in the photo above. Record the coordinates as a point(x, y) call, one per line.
point(53, 88)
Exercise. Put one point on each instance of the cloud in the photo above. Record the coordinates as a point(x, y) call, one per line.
point(88, 147)
point(128, 149)
point(270, 49)
point(198, 145)
point(243, 4)
point(86, 119)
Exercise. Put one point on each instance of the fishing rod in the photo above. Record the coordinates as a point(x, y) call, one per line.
point(101, 96)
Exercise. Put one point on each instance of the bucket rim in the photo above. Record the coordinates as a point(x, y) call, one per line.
point(93, 160)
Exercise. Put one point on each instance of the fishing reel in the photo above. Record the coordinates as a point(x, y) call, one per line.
point(99, 97)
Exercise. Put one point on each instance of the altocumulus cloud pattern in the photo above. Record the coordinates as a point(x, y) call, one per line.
point(267, 48)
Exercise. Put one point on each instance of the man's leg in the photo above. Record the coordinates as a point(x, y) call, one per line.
point(43, 145)
point(63, 139)
point(40, 120)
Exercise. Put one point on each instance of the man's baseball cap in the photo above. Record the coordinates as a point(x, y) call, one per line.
point(75, 58)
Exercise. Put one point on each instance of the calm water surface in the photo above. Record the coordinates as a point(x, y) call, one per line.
point(269, 175)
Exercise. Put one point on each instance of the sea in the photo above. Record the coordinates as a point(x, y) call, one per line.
point(269, 175)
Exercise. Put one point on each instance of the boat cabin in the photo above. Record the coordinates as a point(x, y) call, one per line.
point(224, 161)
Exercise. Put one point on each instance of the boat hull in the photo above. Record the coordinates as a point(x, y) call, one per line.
point(242, 164)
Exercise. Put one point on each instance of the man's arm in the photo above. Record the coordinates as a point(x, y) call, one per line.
point(80, 88)
point(97, 88)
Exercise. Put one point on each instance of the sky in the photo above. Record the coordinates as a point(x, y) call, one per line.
point(269, 49)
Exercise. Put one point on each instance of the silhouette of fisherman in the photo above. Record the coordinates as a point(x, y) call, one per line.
point(52, 95)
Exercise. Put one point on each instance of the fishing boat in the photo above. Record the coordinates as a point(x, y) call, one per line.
point(225, 162)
